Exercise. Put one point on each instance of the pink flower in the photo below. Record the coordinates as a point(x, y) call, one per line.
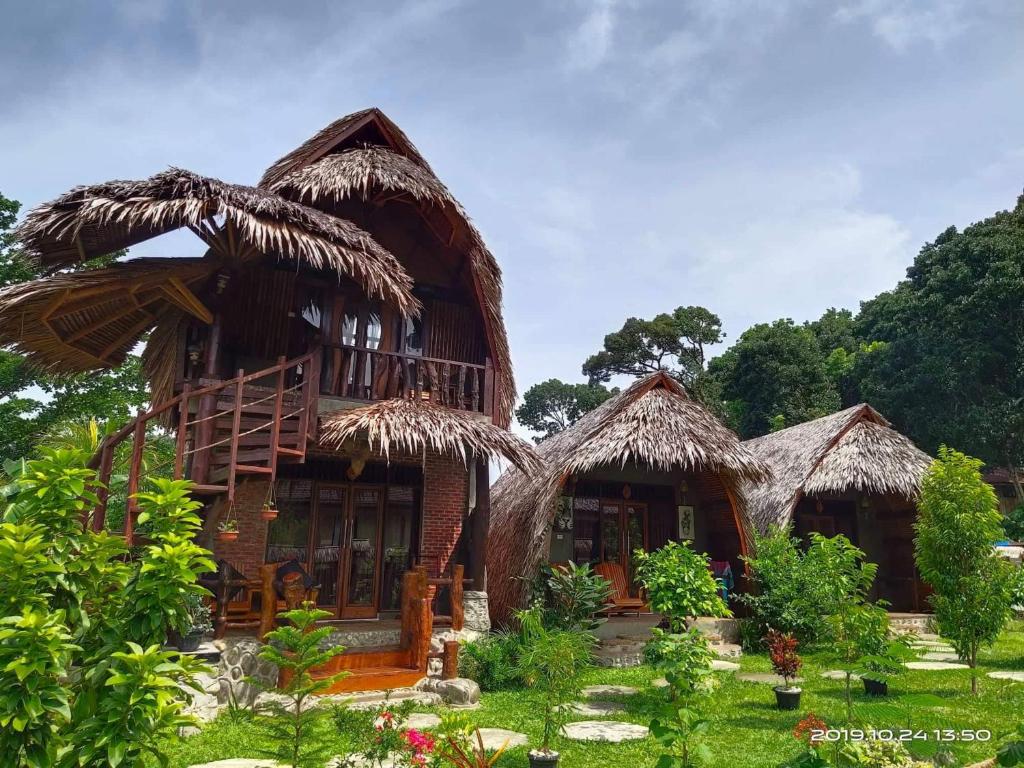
point(419, 741)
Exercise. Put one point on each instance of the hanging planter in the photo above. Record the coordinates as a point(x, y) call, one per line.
point(269, 509)
point(227, 529)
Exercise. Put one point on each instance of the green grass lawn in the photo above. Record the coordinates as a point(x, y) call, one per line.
point(747, 730)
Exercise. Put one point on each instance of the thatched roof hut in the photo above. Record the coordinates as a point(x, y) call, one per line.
point(853, 450)
point(653, 424)
point(326, 171)
point(415, 426)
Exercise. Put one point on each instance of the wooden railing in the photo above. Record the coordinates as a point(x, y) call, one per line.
point(360, 373)
point(245, 425)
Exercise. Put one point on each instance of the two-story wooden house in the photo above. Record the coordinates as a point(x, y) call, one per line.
point(338, 354)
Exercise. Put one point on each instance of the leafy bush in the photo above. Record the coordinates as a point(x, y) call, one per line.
point(492, 661)
point(685, 658)
point(958, 523)
point(782, 652)
point(571, 596)
point(679, 584)
point(1018, 587)
point(795, 591)
point(1013, 524)
point(550, 663)
point(82, 676)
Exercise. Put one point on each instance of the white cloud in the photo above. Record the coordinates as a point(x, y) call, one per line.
point(589, 44)
point(903, 23)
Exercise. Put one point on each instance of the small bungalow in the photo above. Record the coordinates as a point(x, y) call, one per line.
point(648, 466)
point(848, 473)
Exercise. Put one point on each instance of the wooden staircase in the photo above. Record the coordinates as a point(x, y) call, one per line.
point(225, 430)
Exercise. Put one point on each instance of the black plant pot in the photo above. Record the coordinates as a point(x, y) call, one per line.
point(190, 642)
point(876, 687)
point(540, 759)
point(787, 698)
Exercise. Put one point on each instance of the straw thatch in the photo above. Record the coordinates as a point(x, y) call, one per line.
point(319, 173)
point(853, 450)
point(414, 426)
point(99, 219)
point(87, 320)
point(654, 424)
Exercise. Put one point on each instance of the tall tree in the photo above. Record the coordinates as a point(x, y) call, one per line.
point(553, 405)
point(951, 364)
point(774, 376)
point(675, 343)
point(33, 402)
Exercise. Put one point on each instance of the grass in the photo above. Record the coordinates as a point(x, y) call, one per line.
point(747, 731)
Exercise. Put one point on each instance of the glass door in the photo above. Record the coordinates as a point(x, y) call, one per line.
point(331, 506)
point(634, 530)
point(361, 566)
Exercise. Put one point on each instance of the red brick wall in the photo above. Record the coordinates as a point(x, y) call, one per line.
point(247, 551)
point(445, 495)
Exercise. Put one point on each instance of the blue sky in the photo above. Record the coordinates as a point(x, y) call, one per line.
point(763, 159)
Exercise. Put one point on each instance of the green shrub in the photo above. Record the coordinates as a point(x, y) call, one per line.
point(571, 596)
point(1013, 524)
point(679, 584)
point(795, 591)
point(493, 661)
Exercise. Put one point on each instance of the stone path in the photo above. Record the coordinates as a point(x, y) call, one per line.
point(721, 665)
point(594, 708)
point(496, 738)
point(600, 691)
point(1016, 675)
point(240, 762)
point(940, 656)
point(935, 665)
point(766, 677)
point(422, 721)
point(838, 674)
point(611, 731)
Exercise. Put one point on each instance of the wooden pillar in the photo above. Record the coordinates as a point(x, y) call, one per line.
point(450, 660)
point(455, 592)
point(268, 599)
point(480, 522)
point(207, 405)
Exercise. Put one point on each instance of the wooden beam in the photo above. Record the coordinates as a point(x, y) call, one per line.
point(135, 330)
point(480, 523)
point(180, 294)
point(85, 330)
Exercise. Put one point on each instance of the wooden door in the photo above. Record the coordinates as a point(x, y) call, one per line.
point(360, 562)
point(327, 543)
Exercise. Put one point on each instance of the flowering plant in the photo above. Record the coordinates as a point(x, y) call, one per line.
point(782, 650)
point(393, 744)
point(805, 728)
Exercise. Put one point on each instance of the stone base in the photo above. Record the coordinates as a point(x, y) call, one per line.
point(477, 617)
point(240, 660)
point(460, 692)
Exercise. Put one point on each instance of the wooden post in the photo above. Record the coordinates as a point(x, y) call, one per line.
point(488, 387)
point(179, 449)
point(207, 405)
point(99, 517)
point(275, 424)
point(236, 428)
point(268, 599)
point(455, 592)
point(480, 524)
point(134, 470)
point(450, 660)
point(222, 594)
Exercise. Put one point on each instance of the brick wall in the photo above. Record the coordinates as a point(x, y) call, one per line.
point(445, 494)
point(247, 552)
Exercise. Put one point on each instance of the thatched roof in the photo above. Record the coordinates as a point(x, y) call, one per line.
point(413, 426)
point(88, 320)
point(654, 423)
point(95, 220)
point(854, 449)
point(323, 171)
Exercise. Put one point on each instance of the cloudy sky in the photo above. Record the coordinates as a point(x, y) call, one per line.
point(763, 158)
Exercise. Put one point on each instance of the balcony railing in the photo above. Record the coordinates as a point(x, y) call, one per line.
point(360, 373)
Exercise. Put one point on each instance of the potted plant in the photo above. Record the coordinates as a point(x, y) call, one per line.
point(879, 666)
point(786, 663)
point(551, 662)
point(269, 511)
point(196, 626)
point(227, 530)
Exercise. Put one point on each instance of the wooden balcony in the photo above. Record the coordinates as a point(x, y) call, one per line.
point(358, 373)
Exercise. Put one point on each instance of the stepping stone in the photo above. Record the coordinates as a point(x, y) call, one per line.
point(929, 646)
point(422, 721)
point(838, 674)
point(766, 677)
point(600, 691)
point(939, 656)
point(240, 762)
point(594, 708)
point(612, 731)
point(1016, 675)
point(935, 665)
point(496, 738)
point(727, 650)
point(721, 665)
point(393, 760)
point(660, 682)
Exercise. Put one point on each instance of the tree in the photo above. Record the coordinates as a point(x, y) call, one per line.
point(958, 524)
point(952, 365)
point(553, 405)
point(774, 376)
point(32, 402)
point(675, 343)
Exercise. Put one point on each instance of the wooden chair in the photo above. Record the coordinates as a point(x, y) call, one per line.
point(621, 603)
